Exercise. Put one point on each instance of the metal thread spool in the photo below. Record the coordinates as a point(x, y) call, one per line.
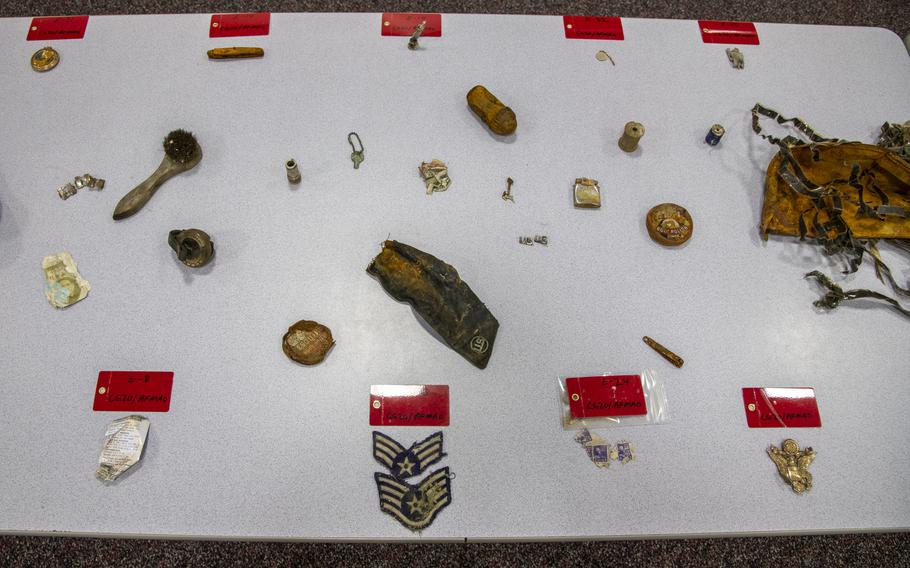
point(714, 135)
point(631, 134)
point(293, 172)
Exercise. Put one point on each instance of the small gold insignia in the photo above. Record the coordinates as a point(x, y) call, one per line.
point(793, 464)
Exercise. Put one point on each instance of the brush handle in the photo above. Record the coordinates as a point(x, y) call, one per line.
point(136, 199)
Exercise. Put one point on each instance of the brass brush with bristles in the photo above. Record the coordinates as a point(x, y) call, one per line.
point(181, 153)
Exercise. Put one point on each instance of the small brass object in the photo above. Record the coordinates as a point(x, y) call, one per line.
point(307, 342)
point(793, 464)
point(587, 193)
point(181, 153)
point(194, 248)
point(66, 191)
point(507, 194)
point(418, 29)
point(45, 59)
point(293, 172)
point(235, 52)
point(669, 224)
point(500, 118)
point(631, 134)
point(664, 352)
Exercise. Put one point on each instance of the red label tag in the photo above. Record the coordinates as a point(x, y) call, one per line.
point(134, 391)
point(740, 33)
point(403, 24)
point(236, 25)
point(793, 407)
point(57, 27)
point(592, 27)
point(409, 405)
point(618, 395)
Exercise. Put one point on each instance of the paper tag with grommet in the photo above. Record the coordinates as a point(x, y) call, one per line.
point(781, 407)
point(133, 391)
point(409, 405)
point(239, 25)
point(398, 25)
point(592, 27)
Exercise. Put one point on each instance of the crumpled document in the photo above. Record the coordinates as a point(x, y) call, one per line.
point(123, 444)
point(435, 176)
point(63, 284)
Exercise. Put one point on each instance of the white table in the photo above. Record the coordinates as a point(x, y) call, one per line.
point(255, 446)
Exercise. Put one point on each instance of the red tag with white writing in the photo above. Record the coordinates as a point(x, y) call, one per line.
point(740, 33)
point(236, 25)
point(617, 395)
point(409, 405)
point(592, 27)
point(57, 27)
point(134, 391)
point(791, 407)
point(394, 24)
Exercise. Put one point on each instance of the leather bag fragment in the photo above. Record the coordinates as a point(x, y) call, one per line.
point(441, 298)
point(830, 165)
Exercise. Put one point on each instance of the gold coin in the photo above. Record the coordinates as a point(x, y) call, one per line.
point(45, 59)
point(669, 224)
point(307, 342)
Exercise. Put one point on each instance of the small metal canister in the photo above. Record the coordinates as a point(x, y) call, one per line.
point(293, 172)
point(631, 134)
point(714, 135)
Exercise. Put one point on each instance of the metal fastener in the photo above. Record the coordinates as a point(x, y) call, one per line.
point(507, 194)
point(412, 43)
point(292, 171)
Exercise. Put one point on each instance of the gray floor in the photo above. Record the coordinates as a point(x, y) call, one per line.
point(828, 550)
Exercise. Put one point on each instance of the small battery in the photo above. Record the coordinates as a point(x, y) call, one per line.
point(714, 135)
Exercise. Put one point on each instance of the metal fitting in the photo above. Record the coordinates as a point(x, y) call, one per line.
point(292, 171)
point(631, 134)
point(66, 191)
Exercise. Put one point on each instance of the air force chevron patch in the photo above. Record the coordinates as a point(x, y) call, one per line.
point(415, 506)
point(405, 463)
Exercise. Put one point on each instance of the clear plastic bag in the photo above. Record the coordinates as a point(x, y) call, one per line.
point(612, 399)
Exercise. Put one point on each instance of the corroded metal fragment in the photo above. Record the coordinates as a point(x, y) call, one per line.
point(439, 295)
point(194, 247)
point(307, 342)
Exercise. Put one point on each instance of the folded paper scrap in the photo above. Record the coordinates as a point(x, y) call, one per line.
point(63, 286)
point(123, 444)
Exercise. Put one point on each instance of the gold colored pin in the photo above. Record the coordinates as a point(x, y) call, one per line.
point(663, 351)
point(45, 59)
point(793, 464)
point(235, 52)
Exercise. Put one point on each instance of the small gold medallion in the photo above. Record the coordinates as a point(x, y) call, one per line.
point(45, 59)
point(793, 464)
